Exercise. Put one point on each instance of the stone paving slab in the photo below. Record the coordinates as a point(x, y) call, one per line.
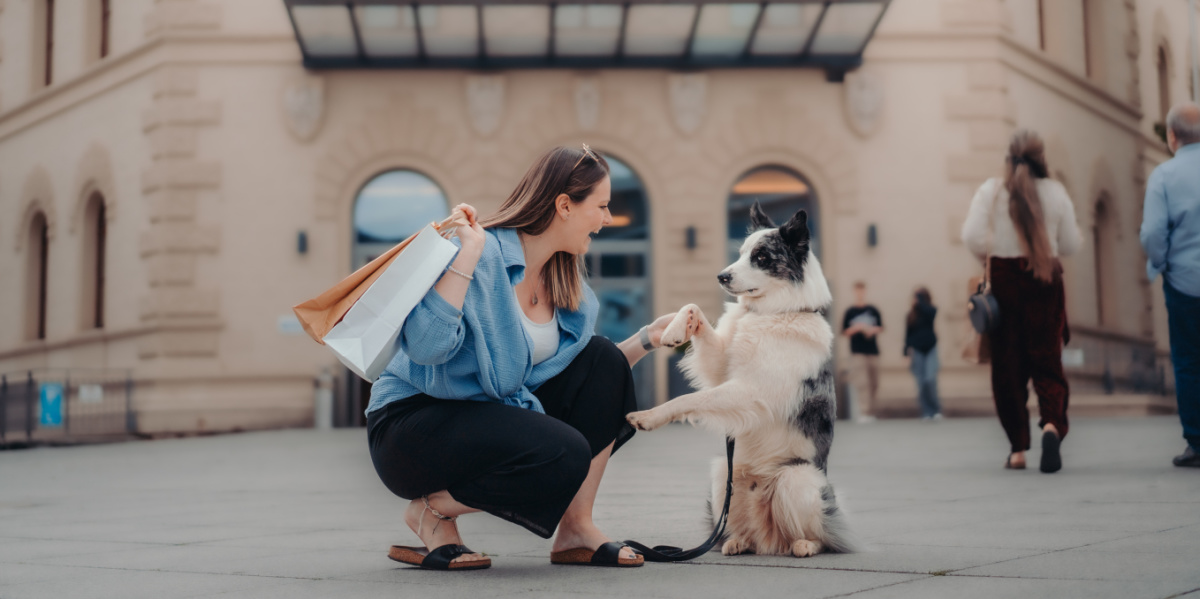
point(301, 514)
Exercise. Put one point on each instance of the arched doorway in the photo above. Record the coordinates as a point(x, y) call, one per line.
point(618, 266)
point(390, 207)
point(781, 192)
point(1103, 269)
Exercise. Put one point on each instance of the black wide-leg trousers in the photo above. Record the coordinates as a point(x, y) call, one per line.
point(514, 463)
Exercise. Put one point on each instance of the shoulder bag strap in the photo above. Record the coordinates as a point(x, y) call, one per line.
point(667, 553)
point(987, 259)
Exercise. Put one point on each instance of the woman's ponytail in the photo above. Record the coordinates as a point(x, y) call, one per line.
point(1026, 164)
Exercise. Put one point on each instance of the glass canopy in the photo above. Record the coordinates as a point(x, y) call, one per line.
point(829, 34)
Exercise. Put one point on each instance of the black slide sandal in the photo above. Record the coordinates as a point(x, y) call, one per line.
point(1051, 459)
point(608, 554)
point(438, 559)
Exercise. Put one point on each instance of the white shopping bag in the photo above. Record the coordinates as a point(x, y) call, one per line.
point(365, 339)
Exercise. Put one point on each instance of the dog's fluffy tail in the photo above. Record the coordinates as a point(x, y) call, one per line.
point(839, 537)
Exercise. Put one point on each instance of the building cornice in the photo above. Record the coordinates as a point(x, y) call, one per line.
point(1070, 85)
point(100, 336)
point(119, 70)
point(953, 47)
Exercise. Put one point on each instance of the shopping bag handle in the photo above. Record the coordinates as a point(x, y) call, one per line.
point(450, 225)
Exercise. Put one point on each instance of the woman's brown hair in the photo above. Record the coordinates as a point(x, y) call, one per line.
point(920, 296)
point(530, 209)
point(1026, 162)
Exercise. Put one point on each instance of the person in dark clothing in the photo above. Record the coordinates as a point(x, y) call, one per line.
point(920, 345)
point(862, 323)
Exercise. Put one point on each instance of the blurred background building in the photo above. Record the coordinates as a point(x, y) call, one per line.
point(175, 174)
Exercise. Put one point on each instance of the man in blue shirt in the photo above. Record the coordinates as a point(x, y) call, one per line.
point(1171, 237)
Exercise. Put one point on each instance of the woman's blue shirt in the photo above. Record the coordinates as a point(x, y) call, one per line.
point(481, 353)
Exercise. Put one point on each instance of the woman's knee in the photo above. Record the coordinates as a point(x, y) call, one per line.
point(571, 461)
point(606, 353)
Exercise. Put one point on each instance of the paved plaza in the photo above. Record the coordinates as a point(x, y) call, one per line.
point(299, 513)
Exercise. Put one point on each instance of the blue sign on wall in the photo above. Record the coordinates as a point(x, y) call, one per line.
point(51, 405)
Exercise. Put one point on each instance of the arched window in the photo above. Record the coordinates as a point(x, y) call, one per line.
point(1041, 18)
point(1094, 41)
point(95, 234)
point(1162, 63)
point(43, 43)
point(1102, 248)
point(780, 192)
point(392, 206)
point(37, 248)
point(105, 27)
point(98, 34)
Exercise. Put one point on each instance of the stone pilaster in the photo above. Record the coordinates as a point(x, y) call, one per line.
point(988, 115)
point(185, 311)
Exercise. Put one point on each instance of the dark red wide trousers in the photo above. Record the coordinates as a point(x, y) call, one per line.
point(1026, 345)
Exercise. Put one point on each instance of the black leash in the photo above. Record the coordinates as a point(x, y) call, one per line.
point(667, 553)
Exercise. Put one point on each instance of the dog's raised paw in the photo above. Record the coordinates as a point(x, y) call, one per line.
point(682, 326)
point(643, 421)
point(805, 548)
point(675, 333)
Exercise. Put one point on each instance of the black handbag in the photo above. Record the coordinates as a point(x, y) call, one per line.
point(983, 309)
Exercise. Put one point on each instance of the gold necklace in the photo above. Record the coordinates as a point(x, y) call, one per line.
point(534, 297)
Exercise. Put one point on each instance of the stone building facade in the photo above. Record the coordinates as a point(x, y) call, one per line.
point(220, 177)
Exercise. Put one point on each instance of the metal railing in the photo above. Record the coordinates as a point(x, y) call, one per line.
point(65, 406)
point(1113, 362)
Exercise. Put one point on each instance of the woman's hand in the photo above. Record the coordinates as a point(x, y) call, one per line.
point(472, 237)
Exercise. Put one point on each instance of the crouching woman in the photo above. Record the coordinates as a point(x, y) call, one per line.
point(500, 399)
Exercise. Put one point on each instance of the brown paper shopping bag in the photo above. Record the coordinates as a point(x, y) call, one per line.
point(363, 327)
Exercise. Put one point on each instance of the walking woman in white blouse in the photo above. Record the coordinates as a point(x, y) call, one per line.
point(1022, 224)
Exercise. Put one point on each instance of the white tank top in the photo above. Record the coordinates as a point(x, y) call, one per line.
point(545, 336)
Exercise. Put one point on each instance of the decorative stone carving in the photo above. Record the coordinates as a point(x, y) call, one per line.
point(304, 106)
point(587, 102)
point(485, 103)
point(688, 95)
point(863, 94)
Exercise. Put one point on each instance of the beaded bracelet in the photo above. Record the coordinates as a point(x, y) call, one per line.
point(460, 273)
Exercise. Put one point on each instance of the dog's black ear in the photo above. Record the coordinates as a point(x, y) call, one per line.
point(759, 219)
point(795, 231)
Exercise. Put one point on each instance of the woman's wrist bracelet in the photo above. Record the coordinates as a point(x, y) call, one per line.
point(460, 273)
point(644, 337)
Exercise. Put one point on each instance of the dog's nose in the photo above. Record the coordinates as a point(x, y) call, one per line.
point(724, 278)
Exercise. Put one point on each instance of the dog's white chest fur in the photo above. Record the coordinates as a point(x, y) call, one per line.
point(795, 344)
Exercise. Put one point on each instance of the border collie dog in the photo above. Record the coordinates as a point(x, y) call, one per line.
point(765, 379)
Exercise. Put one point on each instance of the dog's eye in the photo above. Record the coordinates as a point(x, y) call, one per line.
point(760, 259)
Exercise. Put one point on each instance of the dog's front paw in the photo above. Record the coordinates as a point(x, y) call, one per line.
point(646, 420)
point(682, 327)
point(734, 547)
point(805, 548)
